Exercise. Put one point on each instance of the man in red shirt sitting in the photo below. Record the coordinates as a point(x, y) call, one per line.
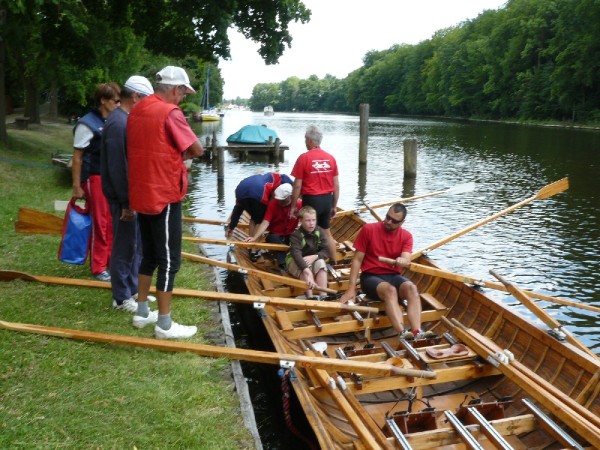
point(379, 280)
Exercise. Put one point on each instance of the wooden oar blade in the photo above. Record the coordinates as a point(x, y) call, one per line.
point(552, 189)
point(32, 221)
point(12, 275)
point(28, 228)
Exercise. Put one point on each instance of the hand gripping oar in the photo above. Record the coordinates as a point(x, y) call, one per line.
point(457, 189)
point(427, 270)
point(261, 245)
point(374, 369)
point(8, 275)
point(256, 272)
point(545, 192)
point(556, 329)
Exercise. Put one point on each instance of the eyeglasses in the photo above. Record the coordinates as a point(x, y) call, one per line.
point(391, 219)
point(116, 100)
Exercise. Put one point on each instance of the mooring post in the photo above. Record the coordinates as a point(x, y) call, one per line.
point(207, 150)
point(410, 158)
point(220, 158)
point(364, 133)
point(276, 149)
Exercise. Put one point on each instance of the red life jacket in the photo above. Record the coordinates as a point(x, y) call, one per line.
point(157, 174)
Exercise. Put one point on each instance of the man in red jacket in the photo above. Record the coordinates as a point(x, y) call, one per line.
point(159, 139)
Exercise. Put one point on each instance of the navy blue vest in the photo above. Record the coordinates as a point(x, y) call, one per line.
point(91, 154)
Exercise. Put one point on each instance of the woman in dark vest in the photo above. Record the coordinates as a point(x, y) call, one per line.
point(87, 142)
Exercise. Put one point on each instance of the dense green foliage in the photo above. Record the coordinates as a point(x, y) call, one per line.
point(58, 50)
point(531, 60)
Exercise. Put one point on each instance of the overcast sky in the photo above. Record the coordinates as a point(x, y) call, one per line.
point(339, 34)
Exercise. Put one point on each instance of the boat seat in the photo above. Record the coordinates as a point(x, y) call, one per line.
point(433, 303)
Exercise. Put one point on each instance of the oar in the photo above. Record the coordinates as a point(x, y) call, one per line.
point(212, 222)
point(457, 189)
point(261, 245)
point(545, 192)
point(256, 272)
point(214, 351)
point(32, 221)
point(542, 383)
point(9, 275)
point(419, 268)
point(373, 213)
point(554, 325)
point(579, 419)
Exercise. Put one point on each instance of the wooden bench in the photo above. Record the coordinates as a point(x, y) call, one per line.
point(22, 123)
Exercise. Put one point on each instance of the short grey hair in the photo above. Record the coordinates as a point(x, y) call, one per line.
point(314, 134)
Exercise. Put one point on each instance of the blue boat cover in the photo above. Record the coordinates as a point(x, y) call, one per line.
point(252, 134)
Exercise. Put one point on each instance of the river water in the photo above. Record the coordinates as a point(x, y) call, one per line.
point(551, 246)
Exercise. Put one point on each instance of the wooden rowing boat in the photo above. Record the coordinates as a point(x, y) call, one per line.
point(517, 386)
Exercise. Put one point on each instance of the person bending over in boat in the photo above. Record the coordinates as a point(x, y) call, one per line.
point(252, 194)
point(381, 281)
point(277, 221)
point(308, 251)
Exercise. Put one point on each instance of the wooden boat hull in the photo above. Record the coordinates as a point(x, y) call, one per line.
point(359, 416)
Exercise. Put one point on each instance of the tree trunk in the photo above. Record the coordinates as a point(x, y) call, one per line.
point(32, 105)
point(53, 107)
point(3, 135)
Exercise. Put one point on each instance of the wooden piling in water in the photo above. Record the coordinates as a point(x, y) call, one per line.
point(364, 133)
point(410, 158)
point(276, 148)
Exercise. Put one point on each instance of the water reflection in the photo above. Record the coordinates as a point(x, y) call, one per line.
point(550, 246)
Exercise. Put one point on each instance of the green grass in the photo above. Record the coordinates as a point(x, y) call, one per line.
point(59, 393)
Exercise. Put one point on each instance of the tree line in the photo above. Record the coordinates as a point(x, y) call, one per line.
point(57, 51)
point(529, 60)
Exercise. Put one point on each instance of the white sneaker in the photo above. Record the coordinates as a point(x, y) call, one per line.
point(128, 305)
point(176, 331)
point(141, 322)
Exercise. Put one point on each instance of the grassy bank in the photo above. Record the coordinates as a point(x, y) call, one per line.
point(60, 393)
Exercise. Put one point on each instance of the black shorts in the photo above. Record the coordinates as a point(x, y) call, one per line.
point(370, 281)
point(322, 204)
point(255, 208)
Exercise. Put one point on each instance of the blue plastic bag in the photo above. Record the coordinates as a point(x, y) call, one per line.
point(76, 232)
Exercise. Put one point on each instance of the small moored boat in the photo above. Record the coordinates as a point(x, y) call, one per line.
point(255, 139)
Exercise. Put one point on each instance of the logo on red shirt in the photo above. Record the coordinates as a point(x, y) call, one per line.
point(321, 165)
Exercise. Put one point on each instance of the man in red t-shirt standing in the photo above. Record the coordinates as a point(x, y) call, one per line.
point(380, 281)
point(316, 180)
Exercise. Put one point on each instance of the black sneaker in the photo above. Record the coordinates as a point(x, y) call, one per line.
point(254, 255)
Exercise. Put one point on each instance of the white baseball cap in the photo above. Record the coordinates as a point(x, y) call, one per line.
point(283, 191)
point(176, 76)
point(139, 84)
